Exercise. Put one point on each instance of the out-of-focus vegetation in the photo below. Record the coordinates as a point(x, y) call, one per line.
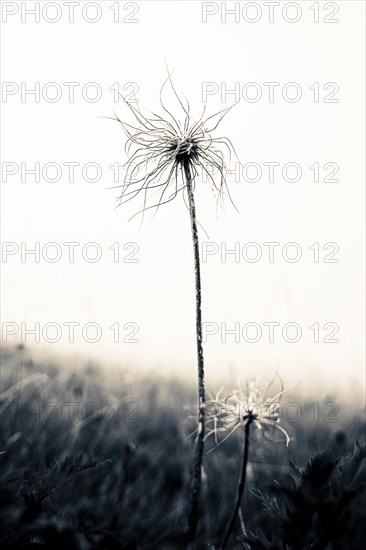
point(90, 461)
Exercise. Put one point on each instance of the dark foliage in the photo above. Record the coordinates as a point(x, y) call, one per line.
point(319, 507)
point(121, 481)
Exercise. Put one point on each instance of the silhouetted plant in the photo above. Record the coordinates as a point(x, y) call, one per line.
point(165, 156)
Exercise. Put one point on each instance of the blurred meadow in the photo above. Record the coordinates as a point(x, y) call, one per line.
point(94, 458)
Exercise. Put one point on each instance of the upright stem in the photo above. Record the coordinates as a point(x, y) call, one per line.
point(199, 445)
point(241, 484)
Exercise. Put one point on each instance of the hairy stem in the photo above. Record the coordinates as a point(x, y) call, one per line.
point(241, 483)
point(199, 444)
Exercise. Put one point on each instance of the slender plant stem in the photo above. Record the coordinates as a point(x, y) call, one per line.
point(199, 445)
point(241, 483)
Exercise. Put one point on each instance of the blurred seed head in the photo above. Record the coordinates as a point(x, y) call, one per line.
point(255, 402)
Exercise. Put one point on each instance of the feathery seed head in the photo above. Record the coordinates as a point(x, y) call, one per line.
point(163, 153)
point(252, 404)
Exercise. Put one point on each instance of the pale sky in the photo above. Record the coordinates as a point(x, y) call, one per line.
point(154, 296)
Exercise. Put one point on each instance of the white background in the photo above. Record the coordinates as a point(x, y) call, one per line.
point(157, 293)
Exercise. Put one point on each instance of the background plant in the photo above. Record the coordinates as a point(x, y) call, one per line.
point(255, 405)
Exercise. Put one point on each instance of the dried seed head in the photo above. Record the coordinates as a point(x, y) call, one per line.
point(252, 404)
point(163, 151)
